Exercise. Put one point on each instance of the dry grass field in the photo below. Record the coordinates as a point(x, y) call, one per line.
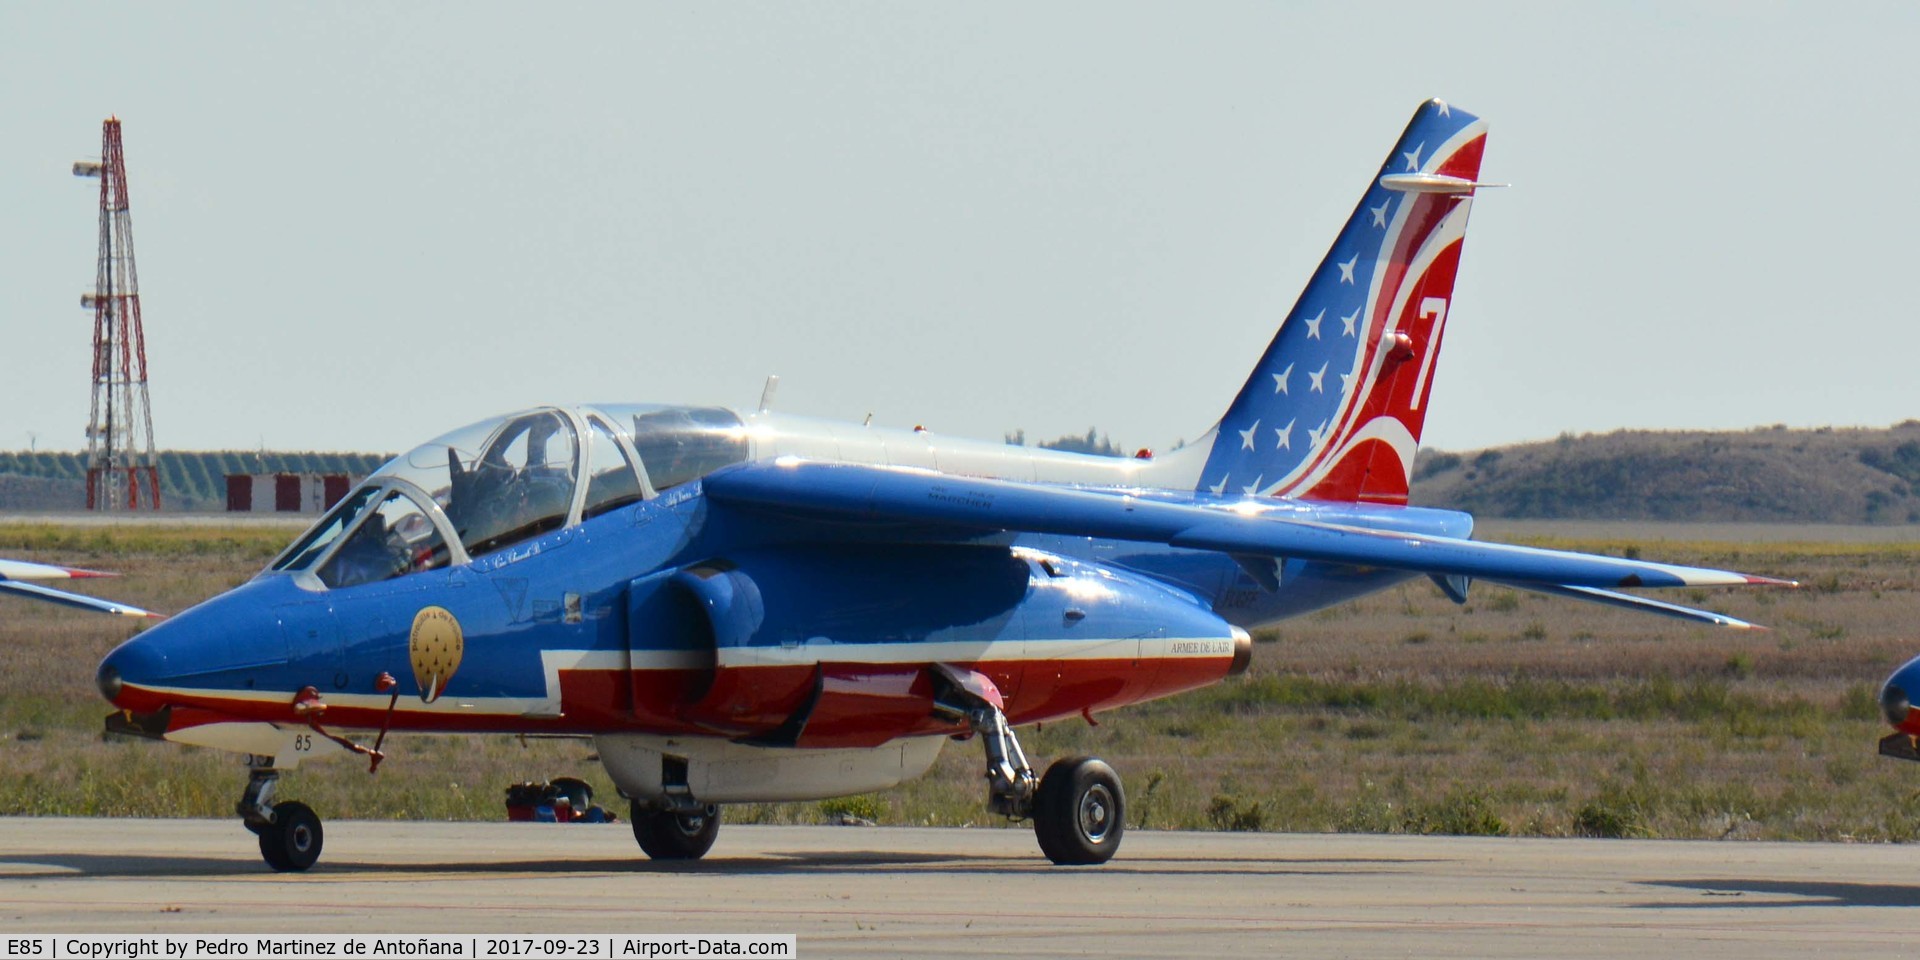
point(1402, 713)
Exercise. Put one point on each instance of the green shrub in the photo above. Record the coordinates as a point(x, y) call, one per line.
point(1370, 812)
point(1466, 813)
point(866, 806)
point(1740, 666)
point(1617, 812)
point(1147, 802)
point(1226, 812)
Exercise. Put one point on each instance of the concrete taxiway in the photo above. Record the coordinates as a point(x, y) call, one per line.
point(850, 891)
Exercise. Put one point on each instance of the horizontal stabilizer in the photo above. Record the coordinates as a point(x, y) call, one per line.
point(1431, 183)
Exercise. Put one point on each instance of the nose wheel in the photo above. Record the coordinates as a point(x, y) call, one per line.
point(292, 841)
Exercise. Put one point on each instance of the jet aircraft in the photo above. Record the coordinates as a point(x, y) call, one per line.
point(750, 607)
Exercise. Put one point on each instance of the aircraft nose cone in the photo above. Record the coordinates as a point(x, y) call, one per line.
point(108, 680)
point(135, 662)
point(1895, 703)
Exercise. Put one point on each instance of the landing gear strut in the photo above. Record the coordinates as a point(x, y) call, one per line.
point(1078, 808)
point(1010, 781)
point(290, 832)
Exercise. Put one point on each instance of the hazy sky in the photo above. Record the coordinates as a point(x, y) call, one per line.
point(360, 226)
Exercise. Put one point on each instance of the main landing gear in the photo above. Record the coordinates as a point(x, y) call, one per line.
point(290, 832)
point(1078, 808)
point(671, 834)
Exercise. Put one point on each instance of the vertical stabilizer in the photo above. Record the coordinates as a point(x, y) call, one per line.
point(1335, 408)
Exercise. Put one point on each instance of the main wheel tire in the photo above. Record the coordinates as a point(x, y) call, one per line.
point(665, 835)
point(1079, 812)
point(293, 840)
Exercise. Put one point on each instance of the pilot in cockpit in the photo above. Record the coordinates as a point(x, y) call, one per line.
point(369, 555)
point(521, 486)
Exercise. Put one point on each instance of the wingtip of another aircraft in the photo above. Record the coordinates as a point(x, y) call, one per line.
point(25, 570)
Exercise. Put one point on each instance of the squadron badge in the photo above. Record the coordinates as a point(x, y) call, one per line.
point(434, 647)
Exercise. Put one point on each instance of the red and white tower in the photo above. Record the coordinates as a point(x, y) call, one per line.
point(122, 470)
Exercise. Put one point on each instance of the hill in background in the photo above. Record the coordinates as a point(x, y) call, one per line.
point(194, 481)
point(1765, 475)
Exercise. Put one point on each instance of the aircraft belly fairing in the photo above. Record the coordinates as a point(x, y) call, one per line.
point(660, 769)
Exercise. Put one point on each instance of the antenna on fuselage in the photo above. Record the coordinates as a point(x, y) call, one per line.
point(767, 392)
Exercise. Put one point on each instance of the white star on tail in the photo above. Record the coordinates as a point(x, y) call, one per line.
point(1317, 375)
point(1285, 436)
point(1379, 213)
point(1220, 487)
point(1246, 436)
point(1280, 380)
point(1315, 436)
point(1253, 487)
point(1346, 322)
point(1346, 269)
point(1413, 159)
point(1313, 325)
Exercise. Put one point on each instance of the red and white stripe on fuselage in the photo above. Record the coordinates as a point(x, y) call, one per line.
point(748, 691)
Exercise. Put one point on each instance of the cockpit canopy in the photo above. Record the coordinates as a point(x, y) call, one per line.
point(498, 482)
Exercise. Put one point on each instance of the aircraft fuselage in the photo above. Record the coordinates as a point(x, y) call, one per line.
point(659, 618)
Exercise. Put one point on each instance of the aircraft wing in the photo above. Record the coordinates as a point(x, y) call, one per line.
point(857, 493)
point(15, 573)
point(22, 570)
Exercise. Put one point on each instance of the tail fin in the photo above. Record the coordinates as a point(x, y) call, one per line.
point(1335, 408)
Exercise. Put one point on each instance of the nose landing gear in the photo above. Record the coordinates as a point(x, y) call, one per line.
point(290, 832)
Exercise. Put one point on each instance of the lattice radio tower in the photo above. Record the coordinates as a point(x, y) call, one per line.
point(122, 470)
